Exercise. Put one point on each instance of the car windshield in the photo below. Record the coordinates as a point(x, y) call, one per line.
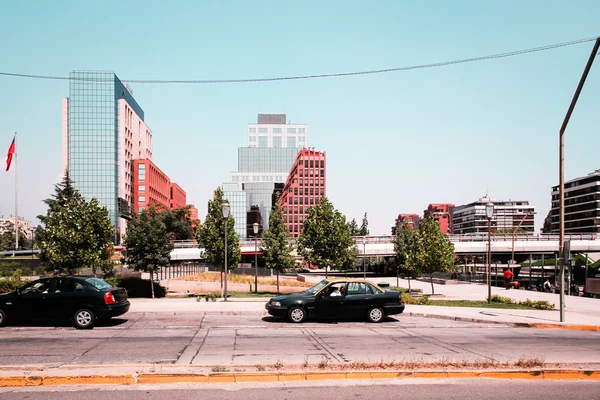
point(317, 287)
point(98, 283)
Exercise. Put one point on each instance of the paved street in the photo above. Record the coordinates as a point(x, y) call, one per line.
point(252, 338)
point(415, 389)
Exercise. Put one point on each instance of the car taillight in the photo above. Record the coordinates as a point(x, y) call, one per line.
point(400, 299)
point(109, 298)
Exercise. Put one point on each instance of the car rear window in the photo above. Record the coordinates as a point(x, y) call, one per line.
point(98, 283)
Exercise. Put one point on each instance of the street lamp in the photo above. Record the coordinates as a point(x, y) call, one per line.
point(512, 258)
point(364, 242)
point(489, 213)
point(255, 228)
point(225, 207)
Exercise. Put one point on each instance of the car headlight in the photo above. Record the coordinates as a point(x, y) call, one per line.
point(276, 303)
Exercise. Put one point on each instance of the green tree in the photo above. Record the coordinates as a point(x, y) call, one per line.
point(348, 259)
point(147, 243)
point(75, 234)
point(364, 226)
point(408, 248)
point(211, 235)
point(178, 223)
point(353, 226)
point(325, 236)
point(277, 243)
point(438, 251)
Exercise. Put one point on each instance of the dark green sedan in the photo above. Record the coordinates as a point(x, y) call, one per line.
point(338, 298)
point(80, 299)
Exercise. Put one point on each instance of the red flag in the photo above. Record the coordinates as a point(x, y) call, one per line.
point(11, 151)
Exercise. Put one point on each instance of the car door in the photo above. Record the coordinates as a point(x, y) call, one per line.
point(357, 299)
point(62, 299)
point(31, 303)
point(328, 304)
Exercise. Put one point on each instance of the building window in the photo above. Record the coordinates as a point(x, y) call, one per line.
point(291, 141)
point(142, 188)
point(262, 130)
point(262, 141)
point(141, 199)
point(276, 130)
point(291, 130)
point(140, 209)
point(276, 141)
point(252, 130)
point(142, 172)
point(301, 139)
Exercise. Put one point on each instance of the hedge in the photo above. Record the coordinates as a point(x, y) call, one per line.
point(137, 287)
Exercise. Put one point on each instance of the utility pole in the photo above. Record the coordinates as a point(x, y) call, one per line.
point(561, 178)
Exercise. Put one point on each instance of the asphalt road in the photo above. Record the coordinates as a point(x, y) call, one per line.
point(252, 339)
point(414, 389)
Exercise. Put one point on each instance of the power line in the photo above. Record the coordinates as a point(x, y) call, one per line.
point(298, 77)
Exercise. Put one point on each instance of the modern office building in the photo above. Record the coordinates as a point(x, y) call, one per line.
point(237, 201)
point(582, 205)
point(413, 219)
point(442, 214)
point(471, 218)
point(305, 185)
point(104, 133)
point(253, 217)
point(272, 146)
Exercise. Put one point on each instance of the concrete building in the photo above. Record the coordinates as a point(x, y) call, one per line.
point(582, 205)
point(471, 218)
point(306, 184)
point(8, 225)
point(177, 196)
point(272, 146)
point(442, 214)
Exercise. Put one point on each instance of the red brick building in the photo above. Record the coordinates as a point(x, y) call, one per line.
point(150, 186)
point(177, 196)
point(414, 220)
point(443, 214)
point(305, 186)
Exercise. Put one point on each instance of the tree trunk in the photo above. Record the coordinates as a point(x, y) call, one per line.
point(431, 280)
point(277, 281)
point(408, 283)
point(152, 282)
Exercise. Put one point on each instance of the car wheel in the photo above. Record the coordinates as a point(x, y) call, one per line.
point(297, 314)
point(84, 319)
point(3, 320)
point(375, 314)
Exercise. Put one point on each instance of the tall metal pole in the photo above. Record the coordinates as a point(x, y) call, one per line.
point(16, 197)
point(255, 264)
point(225, 283)
point(364, 255)
point(489, 261)
point(561, 179)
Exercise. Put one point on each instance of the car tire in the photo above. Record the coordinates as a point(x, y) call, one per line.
point(375, 315)
point(3, 319)
point(84, 318)
point(297, 314)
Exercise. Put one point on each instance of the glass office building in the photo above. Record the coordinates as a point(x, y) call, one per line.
point(237, 200)
point(101, 123)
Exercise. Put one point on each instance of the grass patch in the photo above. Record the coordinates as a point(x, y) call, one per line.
point(252, 294)
point(477, 304)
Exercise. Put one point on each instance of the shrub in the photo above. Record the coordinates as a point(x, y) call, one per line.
point(499, 299)
point(408, 299)
point(9, 285)
point(538, 304)
point(137, 287)
point(212, 296)
point(7, 269)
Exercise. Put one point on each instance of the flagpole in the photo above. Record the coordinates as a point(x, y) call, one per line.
point(16, 198)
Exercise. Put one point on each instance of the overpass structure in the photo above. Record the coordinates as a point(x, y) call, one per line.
point(468, 244)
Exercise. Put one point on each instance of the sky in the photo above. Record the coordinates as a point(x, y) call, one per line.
point(395, 142)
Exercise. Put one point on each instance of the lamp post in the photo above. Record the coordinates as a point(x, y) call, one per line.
point(225, 207)
point(489, 213)
point(364, 242)
point(255, 228)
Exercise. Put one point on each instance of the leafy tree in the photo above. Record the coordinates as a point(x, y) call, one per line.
point(353, 226)
point(211, 235)
point(438, 251)
point(407, 247)
point(178, 223)
point(147, 243)
point(364, 226)
point(7, 238)
point(325, 236)
point(277, 242)
point(75, 234)
point(348, 259)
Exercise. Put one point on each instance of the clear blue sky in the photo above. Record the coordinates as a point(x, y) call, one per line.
point(395, 142)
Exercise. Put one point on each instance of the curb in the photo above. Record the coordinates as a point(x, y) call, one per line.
point(149, 378)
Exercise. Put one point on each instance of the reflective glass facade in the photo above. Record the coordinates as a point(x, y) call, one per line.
point(93, 147)
point(266, 159)
point(237, 200)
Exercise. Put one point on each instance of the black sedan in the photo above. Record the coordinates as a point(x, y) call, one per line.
point(338, 298)
point(83, 300)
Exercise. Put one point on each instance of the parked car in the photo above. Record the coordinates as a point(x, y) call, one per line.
point(83, 300)
point(338, 298)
